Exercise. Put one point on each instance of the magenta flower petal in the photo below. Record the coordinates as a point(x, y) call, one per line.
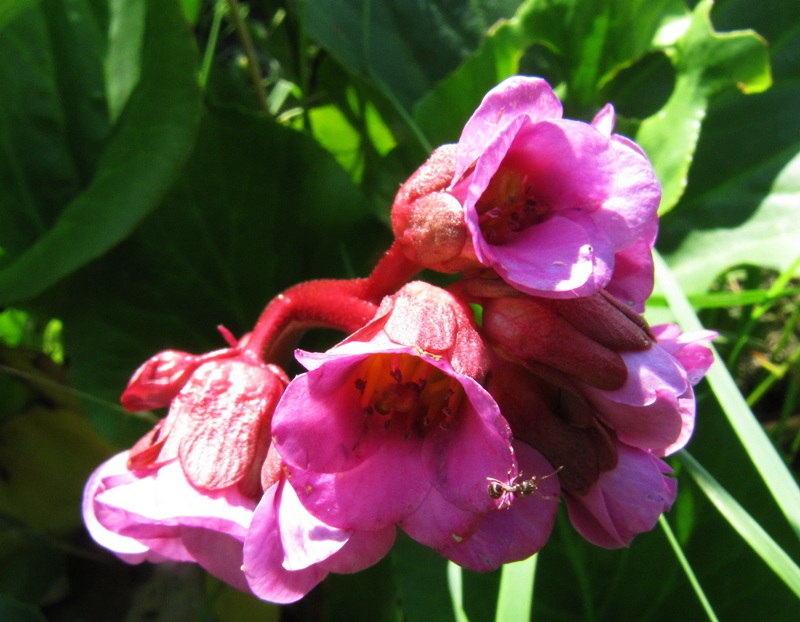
point(554, 257)
point(362, 550)
point(460, 458)
point(219, 553)
point(519, 96)
point(634, 198)
point(649, 372)
point(517, 532)
point(332, 434)
point(264, 556)
point(632, 281)
point(305, 539)
point(605, 120)
point(655, 426)
point(688, 348)
point(625, 501)
point(377, 493)
point(437, 523)
point(129, 549)
point(164, 498)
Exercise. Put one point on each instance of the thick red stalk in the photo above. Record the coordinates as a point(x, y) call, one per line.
point(329, 303)
point(391, 272)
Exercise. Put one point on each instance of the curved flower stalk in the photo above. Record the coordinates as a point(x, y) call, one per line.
point(551, 205)
point(392, 427)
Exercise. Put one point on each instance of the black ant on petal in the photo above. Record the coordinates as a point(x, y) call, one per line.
point(518, 488)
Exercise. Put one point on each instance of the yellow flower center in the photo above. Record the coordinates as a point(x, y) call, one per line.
point(407, 391)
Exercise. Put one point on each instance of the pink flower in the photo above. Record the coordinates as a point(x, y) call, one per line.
point(391, 427)
point(158, 516)
point(601, 396)
point(188, 489)
point(551, 203)
point(288, 551)
point(655, 408)
point(625, 501)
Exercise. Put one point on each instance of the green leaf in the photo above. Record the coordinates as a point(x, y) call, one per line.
point(421, 576)
point(687, 568)
point(739, 205)
point(705, 63)
point(516, 591)
point(750, 531)
point(405, 47)
point(9, 9)
point(136, 168)
point(768, 462)
point(123, 62)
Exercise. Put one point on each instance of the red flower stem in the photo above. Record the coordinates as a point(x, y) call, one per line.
point(392, 272)
point(330, 303)
point(341, 304)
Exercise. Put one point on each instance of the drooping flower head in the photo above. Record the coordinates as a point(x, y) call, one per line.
point(392, 427)
point(602, 396)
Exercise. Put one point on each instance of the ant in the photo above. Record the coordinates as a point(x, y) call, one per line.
point(518, 487)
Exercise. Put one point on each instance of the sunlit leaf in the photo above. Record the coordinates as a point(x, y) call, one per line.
point(705, 62)
point(136, 168)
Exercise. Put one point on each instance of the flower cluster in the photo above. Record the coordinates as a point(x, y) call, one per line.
point(460, 415)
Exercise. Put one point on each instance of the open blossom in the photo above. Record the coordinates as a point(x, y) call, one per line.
point(554, 206)
point(392, 427)
point(548, 201)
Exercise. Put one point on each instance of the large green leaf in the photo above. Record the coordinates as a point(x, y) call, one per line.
point(257, 208)
point(137, 166)
point(578, 46)
point(11, 8)
point(741, 201)
point(705, 62)
point(404, 46)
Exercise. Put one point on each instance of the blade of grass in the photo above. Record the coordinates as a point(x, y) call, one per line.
point(766, 459)
point(687, 568)
point(454, 582)
point(515, 599)
point(775, 292)
point(750, 531)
